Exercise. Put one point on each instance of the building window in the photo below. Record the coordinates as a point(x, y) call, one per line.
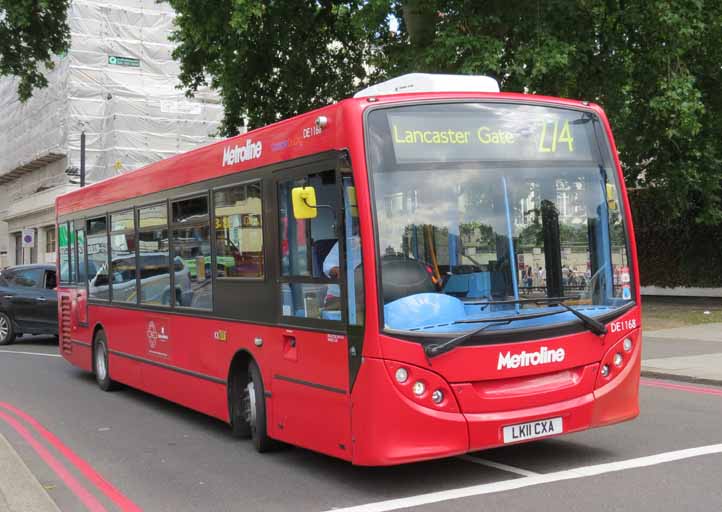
point(50, 240)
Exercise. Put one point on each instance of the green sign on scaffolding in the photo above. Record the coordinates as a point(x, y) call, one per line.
point(123, 61)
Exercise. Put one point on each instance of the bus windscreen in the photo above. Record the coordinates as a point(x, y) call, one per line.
point(483, 210)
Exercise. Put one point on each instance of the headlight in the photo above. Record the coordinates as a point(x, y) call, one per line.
point(437, 396)
point(401, 375)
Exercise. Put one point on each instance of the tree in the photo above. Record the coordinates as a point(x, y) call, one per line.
point(269, 60)
point(653, 65)
point(31, 32)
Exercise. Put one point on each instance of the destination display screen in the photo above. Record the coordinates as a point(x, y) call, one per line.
point(488, 132)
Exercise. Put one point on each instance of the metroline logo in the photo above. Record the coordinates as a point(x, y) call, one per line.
point(544, 356)
point(235, 154)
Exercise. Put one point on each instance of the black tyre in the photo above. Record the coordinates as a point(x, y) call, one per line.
point(100, 363)
point(7, 331)
point(254, 409)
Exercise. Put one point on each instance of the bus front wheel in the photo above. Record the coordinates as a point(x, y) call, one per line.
point(100, 363)
point(253, 407)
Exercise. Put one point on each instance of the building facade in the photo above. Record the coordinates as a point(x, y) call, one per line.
point(117, 83)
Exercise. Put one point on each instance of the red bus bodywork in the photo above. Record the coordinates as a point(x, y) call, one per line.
point(377, 421)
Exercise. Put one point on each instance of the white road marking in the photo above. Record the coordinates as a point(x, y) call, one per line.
point(518, 483)
point(497, 465)
point(31, 353)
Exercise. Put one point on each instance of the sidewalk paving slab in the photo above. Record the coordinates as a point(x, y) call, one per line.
point(20, 491)
point(690, 366)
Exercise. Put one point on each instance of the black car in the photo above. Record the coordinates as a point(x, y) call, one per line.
point(28, 301)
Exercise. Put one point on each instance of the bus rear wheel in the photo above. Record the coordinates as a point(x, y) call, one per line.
point(253, 409)
point(100, 363)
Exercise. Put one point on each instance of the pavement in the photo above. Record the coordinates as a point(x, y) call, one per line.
point(20, 491)
point(690, 354)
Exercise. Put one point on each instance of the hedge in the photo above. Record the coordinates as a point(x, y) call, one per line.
point(674, 251)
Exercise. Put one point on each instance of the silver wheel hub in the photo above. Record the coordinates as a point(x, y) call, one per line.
point(249, 404)
point(4, 328)
point(100, 368)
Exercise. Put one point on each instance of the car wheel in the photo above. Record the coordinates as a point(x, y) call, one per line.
point(100, 363)
point(7, 333)
point(254, 409)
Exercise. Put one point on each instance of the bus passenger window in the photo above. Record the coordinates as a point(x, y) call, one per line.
point(239, 231)
point(310, 249)
point(64, 250)
point(122, 257)
point(192, 251)
point(98, 285)
point(153, 263)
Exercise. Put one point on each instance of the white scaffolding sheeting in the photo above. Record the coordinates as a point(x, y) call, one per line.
point(118, 83)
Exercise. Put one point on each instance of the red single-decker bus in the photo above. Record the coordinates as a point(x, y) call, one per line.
point(429, 268)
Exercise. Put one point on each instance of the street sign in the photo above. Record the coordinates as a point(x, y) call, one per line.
point(123, 61)
point(29, 237)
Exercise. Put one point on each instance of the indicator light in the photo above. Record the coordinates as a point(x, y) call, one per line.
point(401, 375)
point(618, 359)
point(605, 370)
point(437, 396)
point(627, 343)
point(419, 388)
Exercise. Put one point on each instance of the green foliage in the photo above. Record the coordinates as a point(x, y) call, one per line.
point(675, 251)
point(653, 65)
point(269, 60)
point(31, 32)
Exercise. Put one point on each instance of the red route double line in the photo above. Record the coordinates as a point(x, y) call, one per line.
point(689, 388)
point(105, 487)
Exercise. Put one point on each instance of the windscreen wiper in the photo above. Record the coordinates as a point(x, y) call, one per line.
point(590, 323)
point(435, 349)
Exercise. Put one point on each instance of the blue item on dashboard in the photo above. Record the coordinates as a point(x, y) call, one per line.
point(423, 309)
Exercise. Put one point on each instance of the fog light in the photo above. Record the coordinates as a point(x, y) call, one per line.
point(605, 370)
point(618, 359)
point(437, 396)
point(401, 375)
point(419, 388)
point(627, 344)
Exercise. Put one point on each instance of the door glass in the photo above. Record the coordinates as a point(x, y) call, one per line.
point(29, 278)
point(354, 267)
point(309, 249)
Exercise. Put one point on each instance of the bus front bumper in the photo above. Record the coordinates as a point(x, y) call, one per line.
point(389, 428)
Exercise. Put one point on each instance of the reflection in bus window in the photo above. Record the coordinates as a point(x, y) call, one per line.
point(122, 256)
point(192, 252)
point(64, 249)
point(239, 231)
point(98, 286)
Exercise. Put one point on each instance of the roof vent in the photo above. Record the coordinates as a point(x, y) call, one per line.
point(423, 82)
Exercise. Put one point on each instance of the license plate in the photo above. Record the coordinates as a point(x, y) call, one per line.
point(532, 430)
